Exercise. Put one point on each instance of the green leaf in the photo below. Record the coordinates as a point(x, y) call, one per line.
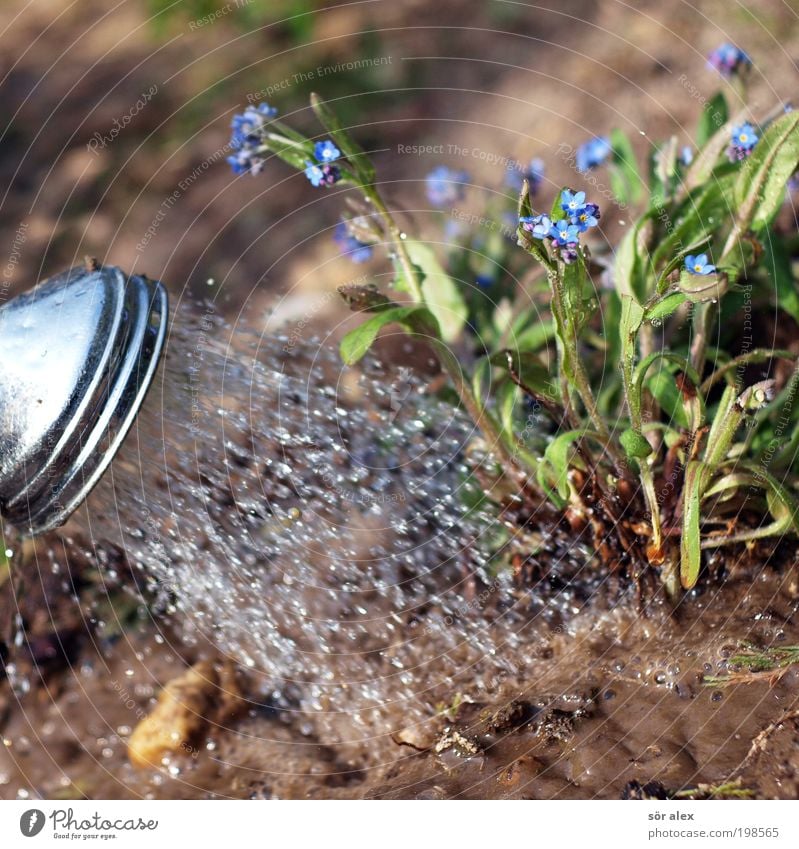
point(351, 150)
point(702, 213)
point(578, 295)
point(706, 160)
point(442, 297)
point(664, 307)
point(701, 288)
point(481, 379)
point(524, 239)
point(714, 115)
point(358, 341)
point(760, 188)
point(533, 333)
point(664, 387)
point(295, 154)
point(778, 264)
point(555, 468)
point(781, 503)
point(690, 542)
point(632, 316)
point(506, 402)
point(635, 444)
point(629, 269)
point(626, 182)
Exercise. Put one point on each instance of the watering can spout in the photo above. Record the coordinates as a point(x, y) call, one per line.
point(78, 354)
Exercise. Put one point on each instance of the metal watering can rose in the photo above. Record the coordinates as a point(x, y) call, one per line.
point(79, 353)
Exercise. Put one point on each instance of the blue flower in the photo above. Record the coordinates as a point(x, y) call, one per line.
point(484, 281)
point(729, 60)
point(445, 186)
point(539, 225)
point(564, 232)
point(516, 174)
point(699, 265)
point(326, 151)
point(249, 126)
point(351, 246)
point(744, 138)
point(587, 217)
point(572, 203)
point(246, 159)
point(592, 153)
point(322, 175)
point(246, 139)
point(687, 155)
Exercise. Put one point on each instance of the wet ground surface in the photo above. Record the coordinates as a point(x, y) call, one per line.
point(610, 698)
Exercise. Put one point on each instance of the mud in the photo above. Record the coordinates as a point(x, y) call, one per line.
point(611, 698)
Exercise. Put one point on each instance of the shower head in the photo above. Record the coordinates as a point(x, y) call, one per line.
point(78, 353)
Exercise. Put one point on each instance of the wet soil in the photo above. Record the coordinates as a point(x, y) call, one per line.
point(613, 697)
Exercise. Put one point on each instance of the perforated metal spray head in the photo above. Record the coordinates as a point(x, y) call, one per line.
point(77, 354)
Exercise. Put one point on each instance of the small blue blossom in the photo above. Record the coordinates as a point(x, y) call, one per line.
point(699, 265)
point(572, 203)
point(592, 153)
point(322, 175)
point(729, 60)
point(744, 138)
point(687, 155)
point(445, 186)
point(351, 246)
point(246, 140)
point(326, 151)
point(564, 233)
point(539, 225)
point(587, 217)
point(484, 281)
point(516, 174)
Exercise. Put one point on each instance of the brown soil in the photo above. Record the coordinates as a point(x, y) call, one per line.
point(616, 697)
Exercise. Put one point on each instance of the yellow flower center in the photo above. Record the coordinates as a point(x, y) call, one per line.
point(698, 267)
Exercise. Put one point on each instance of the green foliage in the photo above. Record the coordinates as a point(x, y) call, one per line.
point(612, 351)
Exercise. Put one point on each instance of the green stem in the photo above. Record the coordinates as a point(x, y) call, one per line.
point(575, 370)
point(490, 428)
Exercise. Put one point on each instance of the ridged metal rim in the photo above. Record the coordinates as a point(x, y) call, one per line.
point(114, 395)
